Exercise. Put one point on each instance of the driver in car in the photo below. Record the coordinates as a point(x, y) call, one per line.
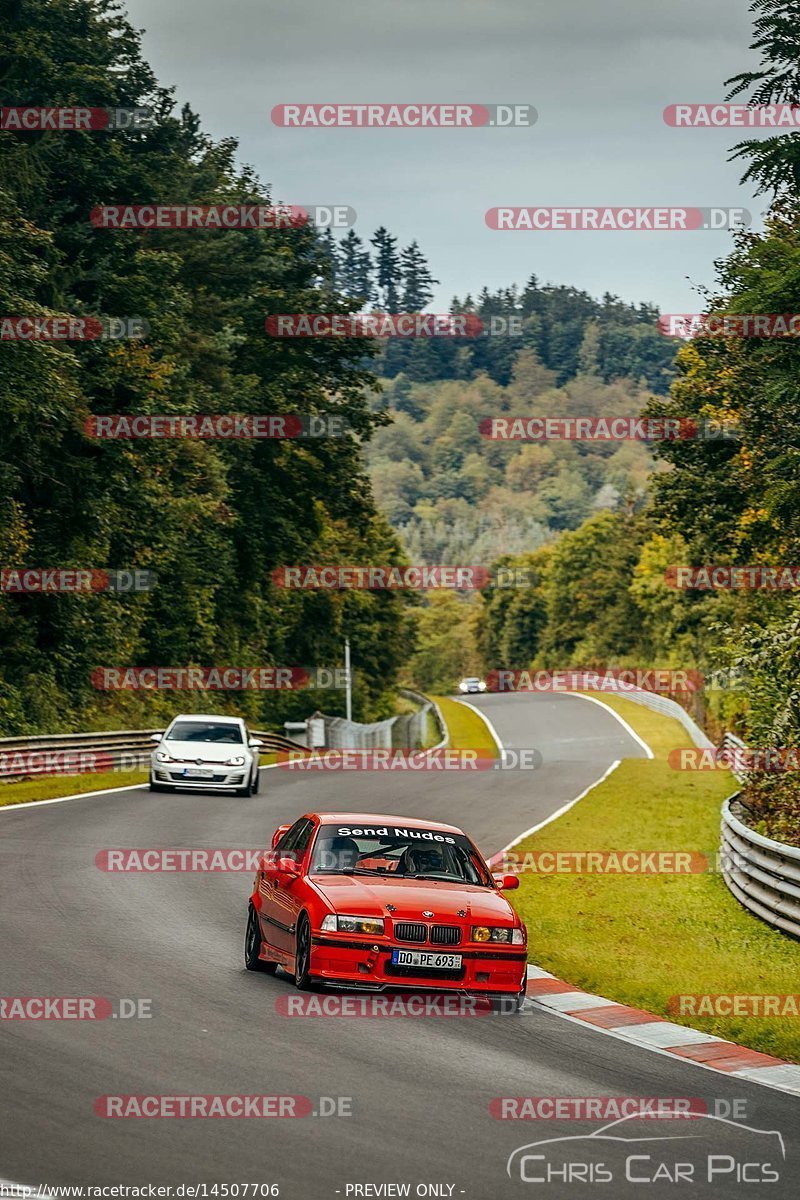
point(422, 860)
point(341, 854)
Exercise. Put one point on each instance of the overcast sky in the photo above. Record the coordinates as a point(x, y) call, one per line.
point(599, 72)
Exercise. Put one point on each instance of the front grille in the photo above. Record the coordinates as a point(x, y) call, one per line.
point(409, 931)
point(179, 778)
point(445, 935)
point(439, 935)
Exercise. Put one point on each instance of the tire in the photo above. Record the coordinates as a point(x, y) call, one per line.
point(302, 956)
point(157, 787)
point(247, 790)
point(252, 946)
point(256, 782)
point(510, 1005)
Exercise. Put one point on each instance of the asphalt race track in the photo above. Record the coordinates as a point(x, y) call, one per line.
point(420, 1088)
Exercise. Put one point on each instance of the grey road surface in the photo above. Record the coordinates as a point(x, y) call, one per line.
point(419, 1089)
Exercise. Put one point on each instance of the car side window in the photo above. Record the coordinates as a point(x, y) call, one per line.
point(292, 838)
point(304, 840)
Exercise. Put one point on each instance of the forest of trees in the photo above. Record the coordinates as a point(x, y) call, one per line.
point(554, 321)
point(596, 524)
point(456, 496)
point(598, 595)
point(211, 518)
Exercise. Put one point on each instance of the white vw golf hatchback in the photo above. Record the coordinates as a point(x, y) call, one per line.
point(205, 753)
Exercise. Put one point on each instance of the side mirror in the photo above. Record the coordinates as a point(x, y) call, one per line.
point(156, 737)
point(288, 870)
point(254, 743)
point(278, 834)
point(506, 883)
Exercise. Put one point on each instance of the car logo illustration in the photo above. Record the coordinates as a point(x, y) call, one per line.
point(613, 1133)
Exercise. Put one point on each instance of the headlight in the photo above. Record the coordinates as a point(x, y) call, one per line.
point(494, 933)
point(236, 761)
point(482, 687)
point(518, 937)
point(369, 925)
point(162, 757)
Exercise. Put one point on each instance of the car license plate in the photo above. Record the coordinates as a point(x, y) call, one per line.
point(426, 958)
point(197, 773)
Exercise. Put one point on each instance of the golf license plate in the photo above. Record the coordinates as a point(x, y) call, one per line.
point(426, 958)
point(197, 773)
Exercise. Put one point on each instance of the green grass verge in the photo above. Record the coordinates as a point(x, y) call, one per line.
point(49, 787)
point(466, 730)
point(641, 939)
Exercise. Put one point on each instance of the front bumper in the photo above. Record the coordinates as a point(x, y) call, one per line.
point(367, 964)
point(220, 777)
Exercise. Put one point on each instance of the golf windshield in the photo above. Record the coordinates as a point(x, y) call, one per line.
point(399, 852)
point(205, 731)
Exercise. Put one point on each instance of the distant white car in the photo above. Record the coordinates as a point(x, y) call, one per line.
point(472, 684)
point(201, 752)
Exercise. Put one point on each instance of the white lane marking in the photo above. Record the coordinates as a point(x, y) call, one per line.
point(129, 787)
point(617, 717)
point(565, 807)
point(559, 811)
point(486, 722)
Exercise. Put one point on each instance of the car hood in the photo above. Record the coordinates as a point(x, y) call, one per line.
point(368, 897)
point(213, 752)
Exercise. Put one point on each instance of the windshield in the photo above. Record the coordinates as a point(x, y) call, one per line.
point(402, 853)
point(205, 731)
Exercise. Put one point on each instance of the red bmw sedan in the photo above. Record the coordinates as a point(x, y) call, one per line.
point(379, 902)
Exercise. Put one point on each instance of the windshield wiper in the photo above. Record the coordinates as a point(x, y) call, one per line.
point(447, 878)
point(351, 871)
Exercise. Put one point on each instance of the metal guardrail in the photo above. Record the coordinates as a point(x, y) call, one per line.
point(731, 742)
point(403, 732)
point(668, 708)
point(763, 875)
point(427, 706)
point(407, 731)
point(37, 755)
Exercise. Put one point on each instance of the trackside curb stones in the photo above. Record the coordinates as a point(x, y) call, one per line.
point(655, 1033)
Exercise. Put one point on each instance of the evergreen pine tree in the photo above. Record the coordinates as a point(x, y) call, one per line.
point(418, 283)
point(355, 273)
point(387, 270)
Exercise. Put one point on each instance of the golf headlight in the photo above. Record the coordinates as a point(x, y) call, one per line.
point(368, 925)
point(236, 761)
point(161, 756)
point(482, 687)
point(494, 933)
